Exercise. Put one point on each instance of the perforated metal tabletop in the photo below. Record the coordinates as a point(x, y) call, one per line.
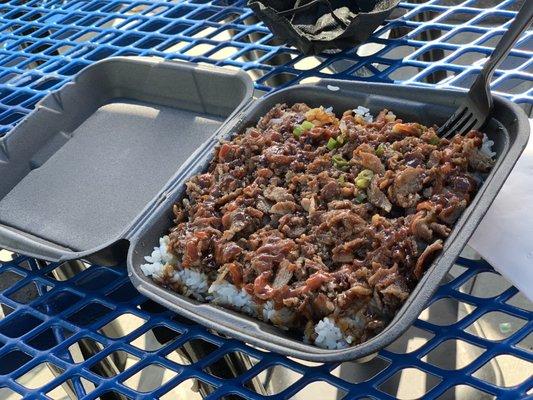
point(49, 308)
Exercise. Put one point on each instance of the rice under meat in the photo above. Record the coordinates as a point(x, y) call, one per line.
point(318, 224)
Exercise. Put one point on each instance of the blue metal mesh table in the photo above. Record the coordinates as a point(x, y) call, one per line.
point(44, 43)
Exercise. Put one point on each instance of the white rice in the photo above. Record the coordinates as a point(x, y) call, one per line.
point(365, 113)
point(330, 336)
point(226, 294)
point(195, 284)
point(486, 147)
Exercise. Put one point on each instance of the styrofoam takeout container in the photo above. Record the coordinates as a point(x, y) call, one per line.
point(94, 170)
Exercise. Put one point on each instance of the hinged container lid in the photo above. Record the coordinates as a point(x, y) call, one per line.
point(93, 158)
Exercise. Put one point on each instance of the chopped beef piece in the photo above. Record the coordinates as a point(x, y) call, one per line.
point(317, 217)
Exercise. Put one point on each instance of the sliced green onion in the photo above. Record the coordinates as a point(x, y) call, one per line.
point(306, 125)
point(362, 183)
point(380, 150)
point(339, 162)
point(366, 174)
point(332, 144)
point(297, 131)
point(341, 179)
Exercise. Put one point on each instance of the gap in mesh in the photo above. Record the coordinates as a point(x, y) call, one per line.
point(153, 25)
point(413, 339)
point(61, 392)
point(425, 14)
point(188, 390)
point(338, 66)
point(253, 55)
point(434, 54)
point(202, 14)
point(438, 75)
point(50, 337)
point(465, 392)
point(307, 63)
point(12, 62)
point(88, 314)
point(403, 73)
point(495, 326)
point(156, 338)
point(485, 285)
point(464, 36)
point(127, 39)
point(174, 46)
point(514, 370)
point(17, 99)
point(224, 53)
point(25, 322)
point(57, 302)
point(179, 11)
point(240, 362)
point(124, 293)
point(150, 42)
point(199, 49)
point(513, 62)
point(123, 325)
point(520, 301)
point(85, 345)
point(457, 18)
point(526, 343)
point(13, 360)
point(275, 379)
point(114, 363)
point(193, 351)
point(420, 383)
point(428, 34)
point(453, 354)
point(514, 85)
point(446, 311)
point(28, 292)
point(157, 10)
point(470, 57)
point(397, 31)
point(253, 37)
point(112, 22)
point(92, 278)
point(202, 31)
point(5, 310)
point(150, 378)
point(279, 79)
point(492, 40)
point(61, 272)
point(8, 278)
point(8, 394)
point(356, 372)
point(176, 28)
point(494, 19)
point(100, 54)
point(11, 118)
point(113, 394)
point(39, 375)
point(399, 52)
point(321, 390)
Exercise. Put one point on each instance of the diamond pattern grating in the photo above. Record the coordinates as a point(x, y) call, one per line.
point(44, 43)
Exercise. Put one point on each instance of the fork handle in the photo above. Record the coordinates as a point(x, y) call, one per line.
point(520, 24)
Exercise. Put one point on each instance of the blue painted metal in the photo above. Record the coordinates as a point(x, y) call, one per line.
point(43, 43)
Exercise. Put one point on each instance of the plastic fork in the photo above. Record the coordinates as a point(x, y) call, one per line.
point(477, 107)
